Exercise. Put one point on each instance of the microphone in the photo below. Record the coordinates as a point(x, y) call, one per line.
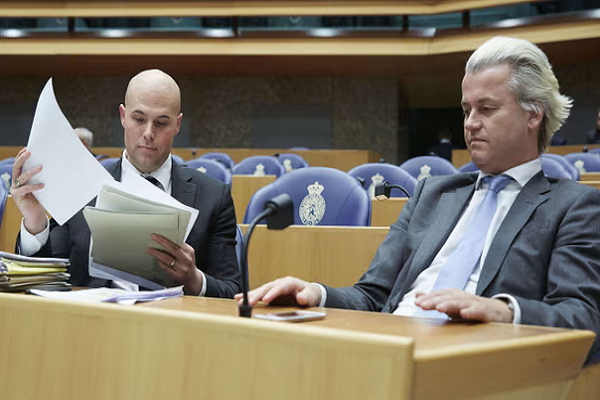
point(361, 180)
point(279, 212)
point(383, 190)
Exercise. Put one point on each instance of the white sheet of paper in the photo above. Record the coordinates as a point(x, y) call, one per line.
point(71, 175)
point(140, 187)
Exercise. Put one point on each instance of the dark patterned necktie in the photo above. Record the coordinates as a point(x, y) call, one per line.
point(154, 181)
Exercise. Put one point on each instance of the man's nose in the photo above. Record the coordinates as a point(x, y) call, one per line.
point(148, 133)
point(472, 122)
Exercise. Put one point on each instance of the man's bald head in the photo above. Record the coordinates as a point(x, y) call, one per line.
point(154, 83)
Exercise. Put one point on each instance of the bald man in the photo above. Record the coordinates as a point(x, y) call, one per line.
point(151, 117)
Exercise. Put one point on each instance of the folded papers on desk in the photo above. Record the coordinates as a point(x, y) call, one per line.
point(119, 296)
point(18, 272)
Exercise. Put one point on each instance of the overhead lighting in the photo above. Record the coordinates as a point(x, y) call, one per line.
point(219, 33)
point(324, 32)
point(114, 33)
point(13, 33)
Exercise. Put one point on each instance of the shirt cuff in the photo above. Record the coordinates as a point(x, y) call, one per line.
point(515, 305)
point(31, 244)
point(323, 294)
point(203, 291)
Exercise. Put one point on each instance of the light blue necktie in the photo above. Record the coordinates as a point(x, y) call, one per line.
point(461, 263)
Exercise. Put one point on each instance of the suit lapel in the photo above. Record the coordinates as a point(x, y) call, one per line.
point(532, 195)
point(184, 190)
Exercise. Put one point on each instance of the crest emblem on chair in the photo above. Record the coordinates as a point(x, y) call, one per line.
point(260, 170)
point(287, 164)
point(201, 169)
point(580, 165)
point(6, 178)
point(375, 180)
point(313, 206)
point(424, 172)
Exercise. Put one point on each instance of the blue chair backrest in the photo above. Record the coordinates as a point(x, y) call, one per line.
point(584, 162)
point(553, 169)
point(3, 196)
point(593, 151)
point(375, 173)
point(426, 166)
point(109, 161)
point(570, 168)
point(468, 167)
point(321, 196)
point(178, 159)
point(239, 244)
point(223, 158)
point(9, 160)
point(6, 174)
point(291, 161)
point(259, 165)
point(211, 168)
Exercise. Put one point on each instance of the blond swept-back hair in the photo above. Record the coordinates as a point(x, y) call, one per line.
point(532, 80)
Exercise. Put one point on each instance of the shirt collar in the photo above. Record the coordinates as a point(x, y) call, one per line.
point(521, 173)
point(162, 174)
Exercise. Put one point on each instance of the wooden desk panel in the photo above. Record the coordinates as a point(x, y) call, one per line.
point(243, 188)
point(333, 255)
point(590, 176)
point(11, 224)
point(386, 212)
point(459, 360)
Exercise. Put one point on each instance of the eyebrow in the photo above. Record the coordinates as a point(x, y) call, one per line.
point(464, 103)
point(143, 113)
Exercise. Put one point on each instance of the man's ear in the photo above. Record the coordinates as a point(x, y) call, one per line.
point(179, 118)
point(536, 117)
point(122, 114)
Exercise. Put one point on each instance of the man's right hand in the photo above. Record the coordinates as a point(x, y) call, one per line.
point(293, 289)
point(21, 190)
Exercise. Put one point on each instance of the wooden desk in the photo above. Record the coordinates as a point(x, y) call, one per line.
point(11, 224)
point(386, 212)
point(333, 255)
point(243, 188)
point(590, 176)
point(189, 347)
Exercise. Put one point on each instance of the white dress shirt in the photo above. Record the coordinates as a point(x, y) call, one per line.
point(424, 282)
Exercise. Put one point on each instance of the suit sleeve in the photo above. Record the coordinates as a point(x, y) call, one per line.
point(374, 287)
point(572, 298)
point(221, 266)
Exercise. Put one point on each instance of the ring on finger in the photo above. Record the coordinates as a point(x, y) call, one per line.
point(172, 263)
point(16, 182)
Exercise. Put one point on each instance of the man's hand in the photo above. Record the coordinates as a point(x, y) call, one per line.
point(297, 291)
point(21, 190)
point(179, 262)
point(461, 305)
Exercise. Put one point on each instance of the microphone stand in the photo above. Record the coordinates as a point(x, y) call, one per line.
point(383, 190)
point(279, 213)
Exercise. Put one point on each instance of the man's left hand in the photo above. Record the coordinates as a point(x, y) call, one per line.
point(179, 262)
point(461, 305)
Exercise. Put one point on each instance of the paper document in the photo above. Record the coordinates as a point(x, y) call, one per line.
point(112, 295)
point(71, 175)
point(122, 223)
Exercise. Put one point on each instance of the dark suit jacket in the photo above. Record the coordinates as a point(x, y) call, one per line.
point(212, 237)
point(546, 253)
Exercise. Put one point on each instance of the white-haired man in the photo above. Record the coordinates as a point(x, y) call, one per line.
point(506, 244)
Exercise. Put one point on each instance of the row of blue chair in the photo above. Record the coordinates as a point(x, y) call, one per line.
point(569, 166)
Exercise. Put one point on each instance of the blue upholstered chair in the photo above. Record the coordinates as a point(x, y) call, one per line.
point(239, 245)
point(291, 161)
point(178, 159)
point(592, 151)
point(259, 166)
point(3, 195)
point(6, 174)
point(321, 196)
point(426, 166)
point(553, 169)
point(375, 173)
point(109, 161)
point(211, 168)
point(223, 158)
point(468, 167)
point(584, 162)
point(9, 160)
point(570, 168)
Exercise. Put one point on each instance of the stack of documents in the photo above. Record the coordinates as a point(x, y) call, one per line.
point(122, 223)
point(112, 295)
point(18, 272)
